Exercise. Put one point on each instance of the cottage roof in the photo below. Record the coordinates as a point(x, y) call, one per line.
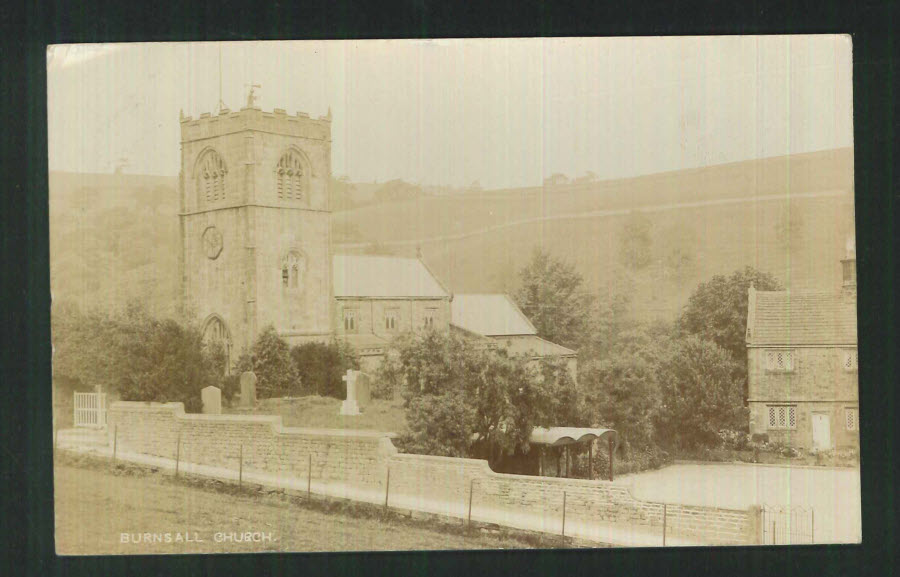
point(489, 315)
point(800, 318)
point(384, 276)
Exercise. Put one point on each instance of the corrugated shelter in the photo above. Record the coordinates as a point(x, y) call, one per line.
point(563, 437)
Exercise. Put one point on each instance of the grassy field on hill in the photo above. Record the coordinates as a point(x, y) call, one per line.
point(114, 238)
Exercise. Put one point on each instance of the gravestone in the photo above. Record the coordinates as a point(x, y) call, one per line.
point(212, 400)
point(248, 389)
point(350, 407)
point(363, 390)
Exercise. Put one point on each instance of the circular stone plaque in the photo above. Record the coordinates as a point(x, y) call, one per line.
point(212, 242)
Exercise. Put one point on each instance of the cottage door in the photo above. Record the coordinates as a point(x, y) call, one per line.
point(821, 431)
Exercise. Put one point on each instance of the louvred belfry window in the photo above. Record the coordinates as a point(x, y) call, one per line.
point(211, 172)
point(290, 177)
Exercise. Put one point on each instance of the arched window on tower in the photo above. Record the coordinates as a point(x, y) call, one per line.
point(211, 171)
point(290, 177)
point(292, 270)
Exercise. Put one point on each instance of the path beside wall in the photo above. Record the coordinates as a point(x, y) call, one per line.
point(367, 463)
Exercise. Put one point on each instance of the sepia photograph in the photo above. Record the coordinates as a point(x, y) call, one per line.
point(453, 294)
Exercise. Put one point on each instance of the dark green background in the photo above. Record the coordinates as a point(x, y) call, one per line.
point(26, 488)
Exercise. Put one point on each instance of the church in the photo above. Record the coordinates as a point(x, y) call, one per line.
point(256, 250)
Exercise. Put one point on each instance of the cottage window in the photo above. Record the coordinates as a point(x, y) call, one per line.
point(430, 314)
point(390, 319)
point(782, 416)
point(851, 418)
point(780, 361)
point(850, 360)
point(350, 320)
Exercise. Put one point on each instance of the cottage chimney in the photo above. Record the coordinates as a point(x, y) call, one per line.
point(849, 266)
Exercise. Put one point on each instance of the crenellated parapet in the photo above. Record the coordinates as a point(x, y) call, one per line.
point(278, 121)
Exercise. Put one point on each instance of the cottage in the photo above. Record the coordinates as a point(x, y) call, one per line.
point(802, 365)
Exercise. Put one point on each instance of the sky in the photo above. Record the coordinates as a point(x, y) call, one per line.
point(502, 112)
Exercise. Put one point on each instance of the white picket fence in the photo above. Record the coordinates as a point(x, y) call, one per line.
point(90, 409)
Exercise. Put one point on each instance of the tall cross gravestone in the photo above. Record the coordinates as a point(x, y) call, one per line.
point(350, 407)
point(248, 389)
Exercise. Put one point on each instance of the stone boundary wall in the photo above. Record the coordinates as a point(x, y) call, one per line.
point(451, 479)
point(363, 459)
point(352, 457)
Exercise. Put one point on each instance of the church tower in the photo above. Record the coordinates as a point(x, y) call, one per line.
point(255, 225)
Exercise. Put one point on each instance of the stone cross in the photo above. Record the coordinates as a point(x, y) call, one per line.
point(350, 407)
point(212, 400)
point(248, 389)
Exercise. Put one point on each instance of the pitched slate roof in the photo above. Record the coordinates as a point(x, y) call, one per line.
point(383, 276)
point(490, 315)
point(796, 318)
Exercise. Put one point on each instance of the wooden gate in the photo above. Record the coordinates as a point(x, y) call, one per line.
point(787, 525)
point(90, 409)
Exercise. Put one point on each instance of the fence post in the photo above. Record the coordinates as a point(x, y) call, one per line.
point(773, 533)
point(812, 525)
point(241, 467)
point(665, 520)
point(471, 490)
point(309, 478)
point(387, 488)
point(611, 457)
point(115, 441)
point(177, 453)
point(564, 515)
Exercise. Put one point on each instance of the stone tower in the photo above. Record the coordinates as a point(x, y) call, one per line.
point(255, 225)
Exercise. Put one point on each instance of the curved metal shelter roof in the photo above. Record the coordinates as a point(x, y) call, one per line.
point(558, 436)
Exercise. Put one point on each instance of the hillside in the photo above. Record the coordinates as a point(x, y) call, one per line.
point(789, 216)
point(115, 237)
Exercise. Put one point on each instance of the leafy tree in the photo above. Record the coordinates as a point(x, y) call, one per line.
point(140, 357)
point(551, 294)
point(636, 244)
point(320, 366)
point(701, 394)
point(717, 310)
point(623, 388)
point(84, 348)
point(463, 399)
point(270, 359)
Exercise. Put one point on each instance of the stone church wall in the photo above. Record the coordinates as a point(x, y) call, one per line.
point(243, 283)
